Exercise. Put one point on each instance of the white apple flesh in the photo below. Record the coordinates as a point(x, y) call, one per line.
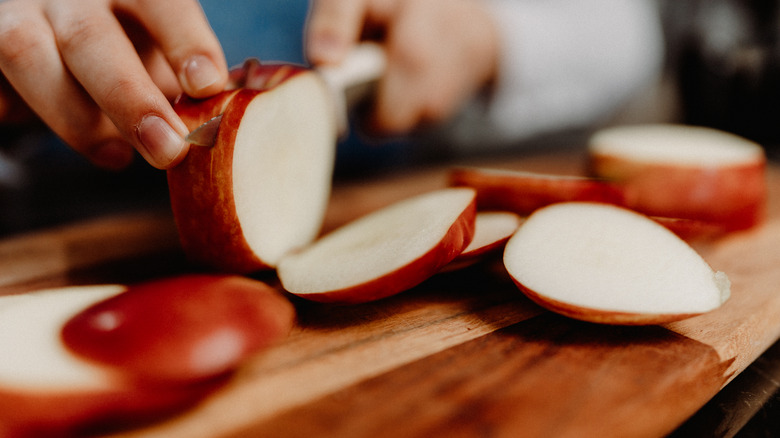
point(681, 171)
point(607, 264)
point(385, 252)
point(47, 390)
point(491, 232)
point(181, 329)
point(262, 189)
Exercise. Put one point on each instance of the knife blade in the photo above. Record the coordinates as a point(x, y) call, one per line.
point(205, 134)
point(350, 82)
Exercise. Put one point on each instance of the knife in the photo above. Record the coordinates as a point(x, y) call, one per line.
point(349, 82)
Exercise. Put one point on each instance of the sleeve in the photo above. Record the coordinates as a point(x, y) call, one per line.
point(563, 65)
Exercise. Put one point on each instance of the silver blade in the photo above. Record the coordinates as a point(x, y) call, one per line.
point(205, 134)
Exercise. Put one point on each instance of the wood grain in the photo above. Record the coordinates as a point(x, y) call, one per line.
point(537, 378)
point(463, 354)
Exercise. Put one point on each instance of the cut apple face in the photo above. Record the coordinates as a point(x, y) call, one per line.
point(182, 329)
point(261, 191)
point(682, 171)
point(523, 192)
point(385, 252)
point(491, 232)
point(607, 264)
point(47, 390)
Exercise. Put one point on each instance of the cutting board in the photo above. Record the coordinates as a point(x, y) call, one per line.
point(463, 354)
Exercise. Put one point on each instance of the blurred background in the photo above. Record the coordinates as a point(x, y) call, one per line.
point(723, 65)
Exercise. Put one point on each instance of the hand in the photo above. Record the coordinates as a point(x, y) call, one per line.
point(440, 53)
point(100, 73)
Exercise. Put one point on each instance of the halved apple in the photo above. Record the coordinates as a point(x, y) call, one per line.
point(262, 189)
point(607, 264)
point(47, 390)
point(684, 171)
point(523, 192)
point(182, 329)
point(385, 252)
point(491, 232)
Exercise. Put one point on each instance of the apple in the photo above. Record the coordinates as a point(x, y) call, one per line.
point(384, 252)
point(47, 390)
point(523, 192)
point(693, 230)
point(492, 229)
point(181, 329)
point(607, 264)
point(684, 171)
point(262, 189)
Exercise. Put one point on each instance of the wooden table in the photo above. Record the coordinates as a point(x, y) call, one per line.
point(463, 354)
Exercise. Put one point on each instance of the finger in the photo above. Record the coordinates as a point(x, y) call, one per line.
point(100, 56)
point(30, 60)
point(333, 27)
point(181, 30)
point(13, 110)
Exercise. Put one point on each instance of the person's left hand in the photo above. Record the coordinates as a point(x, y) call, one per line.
point(439, 53)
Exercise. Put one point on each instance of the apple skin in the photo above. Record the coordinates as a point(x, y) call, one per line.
point(195, 112)
point(476, 253)
point(734, 196)
point(524, 192)
point(76, 413)
point(201, 194)
point(182, 329)
point(600, 316)
point(693, 230)
point(455, 240)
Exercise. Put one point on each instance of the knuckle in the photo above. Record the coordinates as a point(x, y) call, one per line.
point(80, 31)
point(20, 37)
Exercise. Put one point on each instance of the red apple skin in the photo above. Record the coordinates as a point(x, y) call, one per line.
point(599, 316)
point(201, 194)
point(267, 76)
point(524, 192)
point(692, 230)
point(68, 414)
point(182, 329)
point(454, 241)
point(734, 196)
point(195, 112)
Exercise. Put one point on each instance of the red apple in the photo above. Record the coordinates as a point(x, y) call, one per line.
point(195, 112)
point(685, 172)
point(385, 252)
point(262, 189)
point(491, 232)
point(47, 390)
point(181, 329)
point(692, 230)
point(523, 192)
point(607, 264)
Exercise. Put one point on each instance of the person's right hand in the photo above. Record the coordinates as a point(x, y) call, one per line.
point(101, 73)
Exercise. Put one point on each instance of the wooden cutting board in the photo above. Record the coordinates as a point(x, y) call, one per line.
point(463, 354)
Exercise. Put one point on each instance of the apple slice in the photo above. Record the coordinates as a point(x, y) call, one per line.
point(385, 252)
point(607, 264)
point(46, 390)
point(181, 329)
point(523, 192)
point(685, 172)
point(262, 189)
point(492, 230)
point(693, 230)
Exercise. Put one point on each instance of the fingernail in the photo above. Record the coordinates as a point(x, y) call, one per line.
point(199, 73)
point(113, 155)
point(162, 144)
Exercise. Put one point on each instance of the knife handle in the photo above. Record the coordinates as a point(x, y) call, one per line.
point(354, 79)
